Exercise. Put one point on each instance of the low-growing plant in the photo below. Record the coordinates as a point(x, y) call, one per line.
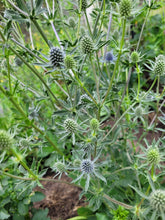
point(74, 99)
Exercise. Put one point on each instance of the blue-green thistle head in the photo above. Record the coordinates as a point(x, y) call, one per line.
point(70, 125)
point(109, 57)
point(125, 8)
point(5, 140)
point(84, 5)
point(60, 167)
point(56, 56)
point(87, 46)
point(153, 155)
point(159, 68)
point(87, 166)
point(157, 200)
point(69, 62)
point(135, 57)
point(94, 124)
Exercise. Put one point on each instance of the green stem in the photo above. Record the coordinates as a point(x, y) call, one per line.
point(40, 31)
point(89, 28)
point(95, 75)
point(117, 62)
point(79, 19)
point(30, 123)
point(23, 163)
point(148, 11)
point(98, 16)
point(138, 73)
point(8, 69)
point(82, 85)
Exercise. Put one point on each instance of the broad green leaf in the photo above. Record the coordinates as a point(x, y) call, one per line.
point(101, 216)
point(18, 217)
point(41, 215)
point(84, 211)
point(22, 209)
point(38, 196)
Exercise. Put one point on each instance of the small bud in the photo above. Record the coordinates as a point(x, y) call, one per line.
point(135, 57)
point(56, 56)
point(5, 140)
point(125, 8)
point(84, 99)
point(24, 143)
point(87, 166)
point(69, 62)
point(159, 68)
point(153, 155)
point(77, 163)
point(84, 5)
point(94, 124)
point(157, 200)
point(70, 125)
point(87, 46)
point(60, 167)
point(72, 22)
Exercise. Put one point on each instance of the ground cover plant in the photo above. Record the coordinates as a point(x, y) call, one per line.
point(81, 88)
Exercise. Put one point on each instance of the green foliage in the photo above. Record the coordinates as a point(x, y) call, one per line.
point(77, 86)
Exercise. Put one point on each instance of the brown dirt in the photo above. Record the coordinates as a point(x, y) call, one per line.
point(61, 199)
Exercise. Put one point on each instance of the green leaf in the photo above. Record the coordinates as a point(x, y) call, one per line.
point(84, 211)
point(4, 214)
point(38, 4)
point(101, 216)
point(78, 218)
point(18, 217)
point(22, 209)
point(45, 151)
point(21, 5)
point(38, 196)
point(41, 215)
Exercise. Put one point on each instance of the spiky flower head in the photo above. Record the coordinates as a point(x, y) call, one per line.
point(84, 5)
point(153, 155)
point(56, 56)
point(69, 62)
point(70, 125)
point(109, 57)
point(159, 68)
point(5, 140)
point(87, 46)
point(87, 166)
point(135, 57)
point(72, 22)
point(60, 167)
point(84, 99)
point(125, 8)
point(94, 124)
point(157, 200)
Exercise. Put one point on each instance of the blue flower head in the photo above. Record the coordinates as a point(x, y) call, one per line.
point(109, 57)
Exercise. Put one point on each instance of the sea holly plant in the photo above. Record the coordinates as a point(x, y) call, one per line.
point(80, 97)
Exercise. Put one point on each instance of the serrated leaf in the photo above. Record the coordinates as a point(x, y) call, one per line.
point(38, 196)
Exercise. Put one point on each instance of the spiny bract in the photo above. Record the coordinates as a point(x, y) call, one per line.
point(125, 8)
point(5, 140)
point(60, 166)
point(87, 46)
point(70, 125)
point(69, 62)
point(157, 200)
point(56, 56)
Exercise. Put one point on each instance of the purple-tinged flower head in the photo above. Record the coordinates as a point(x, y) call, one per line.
point(109, 57)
